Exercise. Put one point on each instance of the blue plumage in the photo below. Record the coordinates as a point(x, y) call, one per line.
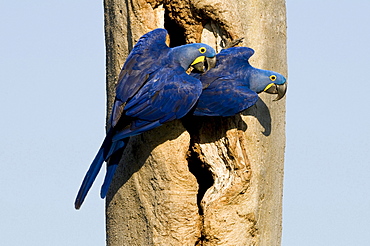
point(153, 88)
point(233, 84)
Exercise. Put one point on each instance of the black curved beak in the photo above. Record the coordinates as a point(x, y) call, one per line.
point(204, 66)
point(280, 90)
point(211, 62)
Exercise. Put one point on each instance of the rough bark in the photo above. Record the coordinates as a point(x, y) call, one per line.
point(201, 181)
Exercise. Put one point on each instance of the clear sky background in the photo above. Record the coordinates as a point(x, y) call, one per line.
point(52, 102)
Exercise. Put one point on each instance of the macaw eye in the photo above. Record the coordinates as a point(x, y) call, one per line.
point(202, 50)
point(273, 77)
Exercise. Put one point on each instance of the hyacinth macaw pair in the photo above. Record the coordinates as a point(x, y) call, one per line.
point(154, 88)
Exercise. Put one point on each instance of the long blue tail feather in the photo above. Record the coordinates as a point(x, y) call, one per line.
point(90, 177)
point(111, 169)
point(114, 158)
point(93, 170)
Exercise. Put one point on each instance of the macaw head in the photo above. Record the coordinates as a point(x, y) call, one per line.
point(201, 56)
point(268, 81)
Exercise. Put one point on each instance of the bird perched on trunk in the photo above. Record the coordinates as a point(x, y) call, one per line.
point(233, 84)
point(153, 88)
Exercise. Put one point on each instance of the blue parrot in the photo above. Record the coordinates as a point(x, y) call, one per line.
point(153, 88)
point(233, 84)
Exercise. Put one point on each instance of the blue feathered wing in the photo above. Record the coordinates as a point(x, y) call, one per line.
point(225, 90)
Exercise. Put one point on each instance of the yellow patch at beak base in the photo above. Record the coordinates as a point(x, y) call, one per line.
point(198, 59)
point(268, 86)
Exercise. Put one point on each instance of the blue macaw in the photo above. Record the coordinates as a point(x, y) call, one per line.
point(233, 84)
point(153, 88)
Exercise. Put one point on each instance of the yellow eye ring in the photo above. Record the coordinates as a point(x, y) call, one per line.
point(202, 50)
point(273, 77)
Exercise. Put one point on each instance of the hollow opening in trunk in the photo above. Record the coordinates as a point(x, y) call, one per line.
point(203, 176)
point(176, 32)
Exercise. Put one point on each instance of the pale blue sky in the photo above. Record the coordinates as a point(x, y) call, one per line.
point(52, 94)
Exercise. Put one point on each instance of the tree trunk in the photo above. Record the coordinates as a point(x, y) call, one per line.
point(202, 180)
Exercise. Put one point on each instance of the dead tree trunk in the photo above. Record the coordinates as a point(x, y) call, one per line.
point(200, 181)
